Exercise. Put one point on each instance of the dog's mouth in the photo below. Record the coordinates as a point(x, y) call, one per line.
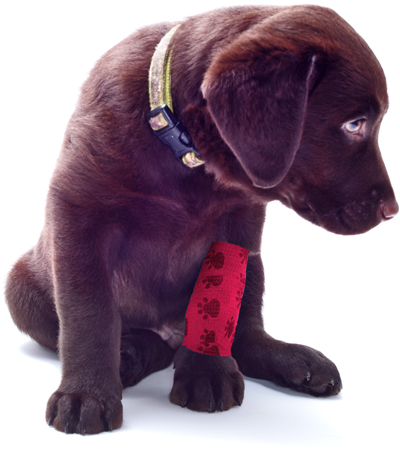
point(307, 212)
point(349, 219)
point(301, 207)
point(325, 208)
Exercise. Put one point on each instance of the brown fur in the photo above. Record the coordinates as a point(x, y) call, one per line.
point(265, 93)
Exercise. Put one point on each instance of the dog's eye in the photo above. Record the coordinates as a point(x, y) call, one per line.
point(354, 127)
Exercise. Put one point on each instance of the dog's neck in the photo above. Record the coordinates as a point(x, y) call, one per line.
point(161, 118)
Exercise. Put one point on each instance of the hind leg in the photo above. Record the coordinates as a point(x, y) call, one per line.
point(142, 353)
point(32, 308)
point(30, 303)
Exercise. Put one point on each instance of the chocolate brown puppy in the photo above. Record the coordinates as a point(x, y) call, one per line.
point(281, 104)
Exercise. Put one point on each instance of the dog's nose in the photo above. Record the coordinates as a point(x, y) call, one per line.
point(389, 209)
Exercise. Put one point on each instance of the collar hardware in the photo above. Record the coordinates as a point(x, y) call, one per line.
point(170, 131)
point(165, 125)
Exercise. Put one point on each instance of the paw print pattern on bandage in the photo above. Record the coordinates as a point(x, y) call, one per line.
point(230, 328)
point(211, 308)
point(242, 255)
point(213, 280)
point(216, 299)
point(212, 351)
point(239, 293)
point(215, 260)
point(242, 279)
point(206, 341)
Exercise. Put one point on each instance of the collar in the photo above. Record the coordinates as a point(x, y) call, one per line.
point(161, 118)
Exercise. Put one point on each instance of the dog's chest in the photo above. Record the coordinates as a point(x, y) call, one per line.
point(154, 288)
point(161, 249)
point(153, 271)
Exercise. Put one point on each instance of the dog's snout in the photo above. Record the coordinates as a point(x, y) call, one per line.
point(389, 209)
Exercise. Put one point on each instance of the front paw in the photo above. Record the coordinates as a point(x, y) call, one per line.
point(206, 383)
point(306, 370)
point(298, 367)
point(83, 413)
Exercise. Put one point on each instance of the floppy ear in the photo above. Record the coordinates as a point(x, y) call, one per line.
point(258, 98)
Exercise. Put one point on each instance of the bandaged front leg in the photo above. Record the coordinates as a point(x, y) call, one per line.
point(214, 306)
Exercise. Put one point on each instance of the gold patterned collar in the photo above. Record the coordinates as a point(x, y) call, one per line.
point(161, 118)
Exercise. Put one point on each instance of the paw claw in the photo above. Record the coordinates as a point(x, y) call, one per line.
point(302, 369)
point(52, 418)
point(83, 413)
point(210, 406)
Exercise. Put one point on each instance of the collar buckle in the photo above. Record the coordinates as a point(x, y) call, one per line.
point(170, 131)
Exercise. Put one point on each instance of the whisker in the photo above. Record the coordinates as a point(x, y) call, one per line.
point(336, 210)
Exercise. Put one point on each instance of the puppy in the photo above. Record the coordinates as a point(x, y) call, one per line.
point(280, 104)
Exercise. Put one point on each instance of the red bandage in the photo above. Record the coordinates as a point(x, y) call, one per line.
point(213, 310)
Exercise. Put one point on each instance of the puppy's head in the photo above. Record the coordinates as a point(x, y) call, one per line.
point(299, 99)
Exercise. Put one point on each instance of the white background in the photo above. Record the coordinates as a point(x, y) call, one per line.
point(338, 294)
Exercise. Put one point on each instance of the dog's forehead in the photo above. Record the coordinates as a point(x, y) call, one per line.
point(352, 70)
point(357, 82)
point(361, 71)
point(346, 92)
point(353, 65)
